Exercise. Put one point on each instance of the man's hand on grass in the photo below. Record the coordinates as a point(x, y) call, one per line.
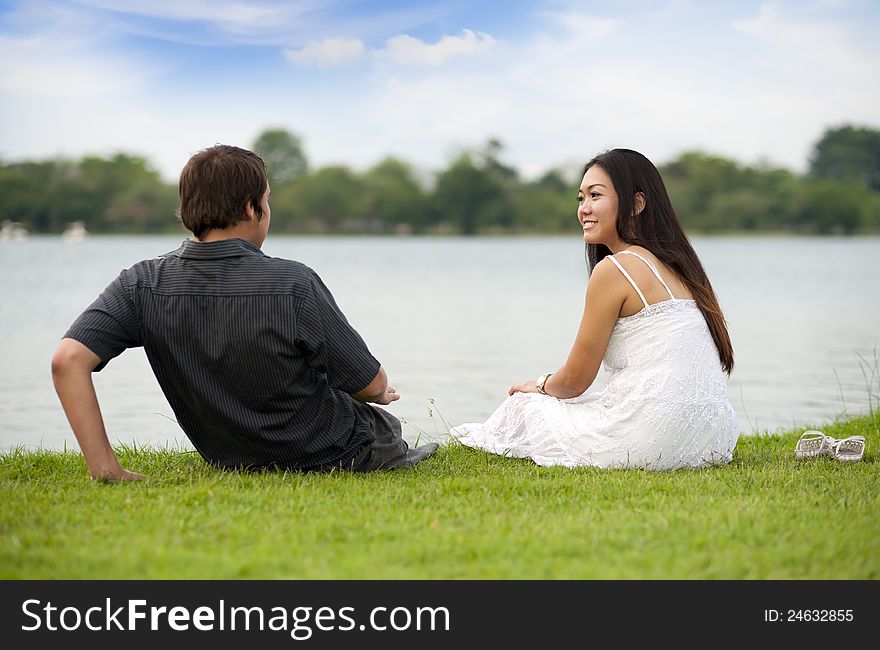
point(118, 473)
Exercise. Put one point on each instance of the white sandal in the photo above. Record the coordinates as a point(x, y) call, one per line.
point(849, 450)
point(813, 444)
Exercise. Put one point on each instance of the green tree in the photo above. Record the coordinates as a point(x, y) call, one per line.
point(541, 208)
point(117, 194)
point(329, 200)
point(394, 200)
point(554, 180)
point(779, 190)
point(282, 152)
point(122, 193)
point(743, 209)
point(144, 207)
point(848, 153)
point(469, 197)
point(827, 207)
point(694, 181)
point(476, 193)
point(25, 190)
point(490, 160)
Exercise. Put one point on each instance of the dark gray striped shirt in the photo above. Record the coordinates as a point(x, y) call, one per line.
point(252, 353)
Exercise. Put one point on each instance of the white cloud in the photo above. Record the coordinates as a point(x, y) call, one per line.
point(282, 23)
point(805, 74)
point(402, 50)
point(406, 50)
point(763, 86)
point(585, 83)
point(232, 16)
point(327, 53)
point(821, 51)
point(587, 25)
point(56, 51)
point(57, 66)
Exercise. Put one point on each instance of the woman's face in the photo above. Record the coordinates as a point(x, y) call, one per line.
point(597, 208)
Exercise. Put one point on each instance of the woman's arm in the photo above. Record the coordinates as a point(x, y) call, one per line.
point(606, 292)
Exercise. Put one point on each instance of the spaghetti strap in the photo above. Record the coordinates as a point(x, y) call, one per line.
point(628, 277)
point(653, 269)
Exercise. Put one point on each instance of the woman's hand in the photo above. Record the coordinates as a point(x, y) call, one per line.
point(526, 387)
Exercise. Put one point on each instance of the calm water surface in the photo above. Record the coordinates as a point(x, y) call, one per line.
point(456, 321)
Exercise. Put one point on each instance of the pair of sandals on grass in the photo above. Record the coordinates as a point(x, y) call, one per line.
point(813, 444)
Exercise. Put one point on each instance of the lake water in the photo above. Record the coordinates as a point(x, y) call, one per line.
point(457, 321)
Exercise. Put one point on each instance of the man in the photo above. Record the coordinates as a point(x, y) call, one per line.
point(255, 358)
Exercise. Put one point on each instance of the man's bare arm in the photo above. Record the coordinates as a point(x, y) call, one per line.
point(72, 368)
point(378, 390)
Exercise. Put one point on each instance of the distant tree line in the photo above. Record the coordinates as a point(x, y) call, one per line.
point(476, 194)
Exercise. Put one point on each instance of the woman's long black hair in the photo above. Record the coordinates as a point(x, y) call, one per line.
point(658, 229)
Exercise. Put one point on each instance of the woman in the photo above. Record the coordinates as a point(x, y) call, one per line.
point(651, 313)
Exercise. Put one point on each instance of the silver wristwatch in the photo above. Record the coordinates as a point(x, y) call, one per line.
point(541, 381)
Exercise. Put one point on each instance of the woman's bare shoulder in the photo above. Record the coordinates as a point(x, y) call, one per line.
point(644, 276)
point(634, 264)
point(644, 252)
point(605, 276)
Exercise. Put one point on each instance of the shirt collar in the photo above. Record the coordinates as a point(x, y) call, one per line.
point(213, 250)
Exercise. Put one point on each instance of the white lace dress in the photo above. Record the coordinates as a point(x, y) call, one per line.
point(664, 405)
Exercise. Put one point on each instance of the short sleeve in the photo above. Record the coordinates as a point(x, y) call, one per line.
point(109, 325)
point(331, 343)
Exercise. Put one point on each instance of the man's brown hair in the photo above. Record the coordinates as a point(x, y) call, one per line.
point(217, 184)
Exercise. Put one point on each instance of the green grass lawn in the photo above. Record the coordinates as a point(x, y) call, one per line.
point(461, 514)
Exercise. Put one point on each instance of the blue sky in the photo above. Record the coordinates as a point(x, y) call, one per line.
point(555, 81)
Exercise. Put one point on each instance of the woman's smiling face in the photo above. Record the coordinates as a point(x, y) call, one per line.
point(597, 208)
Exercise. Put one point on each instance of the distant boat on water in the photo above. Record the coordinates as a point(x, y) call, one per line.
point(74, 232)
point(12, 231)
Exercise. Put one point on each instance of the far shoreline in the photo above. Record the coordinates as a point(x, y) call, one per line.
point(746, 234)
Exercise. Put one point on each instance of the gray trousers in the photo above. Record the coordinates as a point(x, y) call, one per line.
point(388, 446)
